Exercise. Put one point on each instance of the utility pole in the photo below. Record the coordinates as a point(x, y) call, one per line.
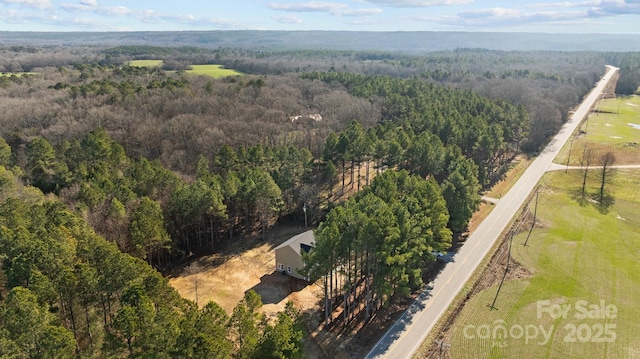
point(619, 102)
point(569, 156)
point(441, 344)
point(506, 270)
point(535, 213)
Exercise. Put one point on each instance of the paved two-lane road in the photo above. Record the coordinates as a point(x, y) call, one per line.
point(406, 335)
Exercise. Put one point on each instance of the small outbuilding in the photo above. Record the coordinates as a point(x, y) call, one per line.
point(289, 254)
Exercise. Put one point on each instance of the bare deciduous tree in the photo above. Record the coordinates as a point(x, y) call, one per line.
point(193, 270)
point(607, 159)
point(585, 162)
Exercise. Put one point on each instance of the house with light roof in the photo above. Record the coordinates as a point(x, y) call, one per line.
point(289, 254)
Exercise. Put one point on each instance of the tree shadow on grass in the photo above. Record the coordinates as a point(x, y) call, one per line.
point(579, 196)
point(593, 198)
point(605, 204)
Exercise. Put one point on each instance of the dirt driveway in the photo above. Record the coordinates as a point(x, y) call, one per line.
point(225, 277)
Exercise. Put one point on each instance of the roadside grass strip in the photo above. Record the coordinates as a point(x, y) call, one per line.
point(581, 300)
point(616, 126)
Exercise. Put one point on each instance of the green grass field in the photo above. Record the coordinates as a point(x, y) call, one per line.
point(9, 74)
point(580, 254)
point(610, 127)
point(146, 63)
point(215, 71)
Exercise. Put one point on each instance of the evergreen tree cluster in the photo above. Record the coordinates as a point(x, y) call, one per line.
point(420, 120)
point(152, 213)
point(376, 246)
point(68, 293)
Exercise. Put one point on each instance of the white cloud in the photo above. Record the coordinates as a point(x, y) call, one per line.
point(12, 17)
point(418, 3)
point(359, 12)
point(92, 14)
point(117, 10)
point(100, 10)
point(582, 13)
point(155, 17)
point(86, 23)
point(288, 19)
point(336, 9)
point(598, 8)
point(615, 7)
point(36, 4)
point(505, 17)
point(74, 7)
point(495, 13)
point(48, 18)
point(312, 6)
point(565, 4)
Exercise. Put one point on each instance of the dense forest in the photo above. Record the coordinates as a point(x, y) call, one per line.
point(110, 172)
point(70, 292)
point(378, 243)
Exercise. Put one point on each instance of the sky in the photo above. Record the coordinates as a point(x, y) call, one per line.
point(595, 16)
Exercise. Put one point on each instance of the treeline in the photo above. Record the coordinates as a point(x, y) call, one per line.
point(152, 213)
point(227, 188)
point(68, 293)
point(421, 120)
point(176, 117)
point(546, 83)
point(6, 81)
point(156, 215)
point(629, 81)
point(377, 245)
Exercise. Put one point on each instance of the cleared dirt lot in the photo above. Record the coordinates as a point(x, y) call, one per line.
point(225, 277)
point(249, 263)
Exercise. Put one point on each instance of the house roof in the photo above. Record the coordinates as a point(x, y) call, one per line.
point(296, 242)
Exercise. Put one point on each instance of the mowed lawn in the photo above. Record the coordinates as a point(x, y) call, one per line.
point(611, 127)
point(214, 71)
point(19, 74)
point(146, 63)
point(579, 257)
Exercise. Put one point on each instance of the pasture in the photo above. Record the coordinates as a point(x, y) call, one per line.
point(215, 71)
point(146, 63)
point(583, 262)
point(615, 126)
point(19, 74)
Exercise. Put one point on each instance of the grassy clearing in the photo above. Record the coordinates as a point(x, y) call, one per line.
point(578, 253)
point(215, 71)
point(146, 63)
point(19, 74)
point(609, 128)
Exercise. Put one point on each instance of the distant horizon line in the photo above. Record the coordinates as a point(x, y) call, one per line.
point(333, 31)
